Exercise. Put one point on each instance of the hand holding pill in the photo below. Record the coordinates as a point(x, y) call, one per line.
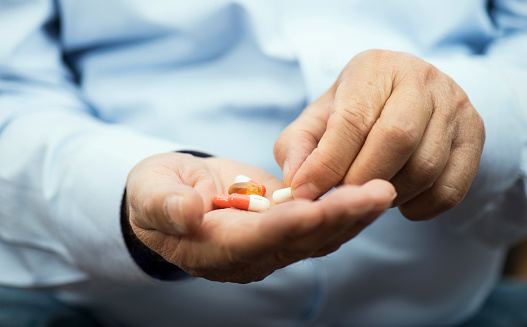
point(170, 208)
point(392, 116)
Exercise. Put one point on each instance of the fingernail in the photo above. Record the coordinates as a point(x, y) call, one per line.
point(285, 170)
point(306, 191)
point(175, 214)
point(394, 196)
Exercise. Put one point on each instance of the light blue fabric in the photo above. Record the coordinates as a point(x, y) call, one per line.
point(89, 88)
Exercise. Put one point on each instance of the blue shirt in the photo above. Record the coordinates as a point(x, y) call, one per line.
point(89, 88)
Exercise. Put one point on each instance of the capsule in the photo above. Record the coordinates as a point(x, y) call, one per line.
point(246, 188)
point(282, 195)
point(243, 178)
point(221, 201)
point(251, 202)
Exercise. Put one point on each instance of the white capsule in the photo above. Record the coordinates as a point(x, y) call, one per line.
point(241, 179)
point(258, 203)
point(282, 195)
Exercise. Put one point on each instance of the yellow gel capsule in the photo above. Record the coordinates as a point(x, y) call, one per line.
point(247, 188)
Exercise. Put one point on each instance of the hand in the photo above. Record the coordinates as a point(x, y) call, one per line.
point(390, 116)
point(169, 202)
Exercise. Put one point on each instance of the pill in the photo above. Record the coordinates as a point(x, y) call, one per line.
point(247, 188)
point(221, 201)
point(251, 202)
point(243, 178)
point(282, 195)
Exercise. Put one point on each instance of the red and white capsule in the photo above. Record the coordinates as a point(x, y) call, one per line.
point(243, 178)
point(241, 201)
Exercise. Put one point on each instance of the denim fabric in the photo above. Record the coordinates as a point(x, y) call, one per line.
point(25, 308)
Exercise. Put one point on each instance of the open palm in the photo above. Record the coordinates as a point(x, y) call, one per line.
point(170, 208)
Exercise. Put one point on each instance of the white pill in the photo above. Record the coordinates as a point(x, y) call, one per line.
point(282, 195)
point(258, 203)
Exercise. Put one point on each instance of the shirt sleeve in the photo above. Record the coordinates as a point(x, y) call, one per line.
point(62, 170)
point(495, 209)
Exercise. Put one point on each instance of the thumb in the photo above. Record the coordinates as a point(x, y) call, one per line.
point(169, 208)
point(301, 137)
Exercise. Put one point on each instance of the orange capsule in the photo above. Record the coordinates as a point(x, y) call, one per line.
point(251, 202)
point(221, 201)
point(246, 188)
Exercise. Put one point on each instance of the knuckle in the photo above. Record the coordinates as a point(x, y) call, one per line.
point(333, 164)
point(449, 90)
point(376, 59)
point(357, 120)
point(450, 196)
point(460, 96)
point(419, 74)
point(440, 199)
point(425, 170)
point(416, 69)
point(429, 72)
point(473, 115)
point(404, 133)
point(477, 123)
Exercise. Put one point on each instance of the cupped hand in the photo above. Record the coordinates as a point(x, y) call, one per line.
point(169, 203)
point(389, 116)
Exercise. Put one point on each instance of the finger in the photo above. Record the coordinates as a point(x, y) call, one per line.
point(264, 234)
point(231, 240)
point(343, 208)
point(427, 162)
point(355, 228)
point(358, 102)
point(247, 237)
point(452, 185)
point(301, 137)
point(171, 208)
point(348, 234)
point(380, 194)
point(394, 137)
